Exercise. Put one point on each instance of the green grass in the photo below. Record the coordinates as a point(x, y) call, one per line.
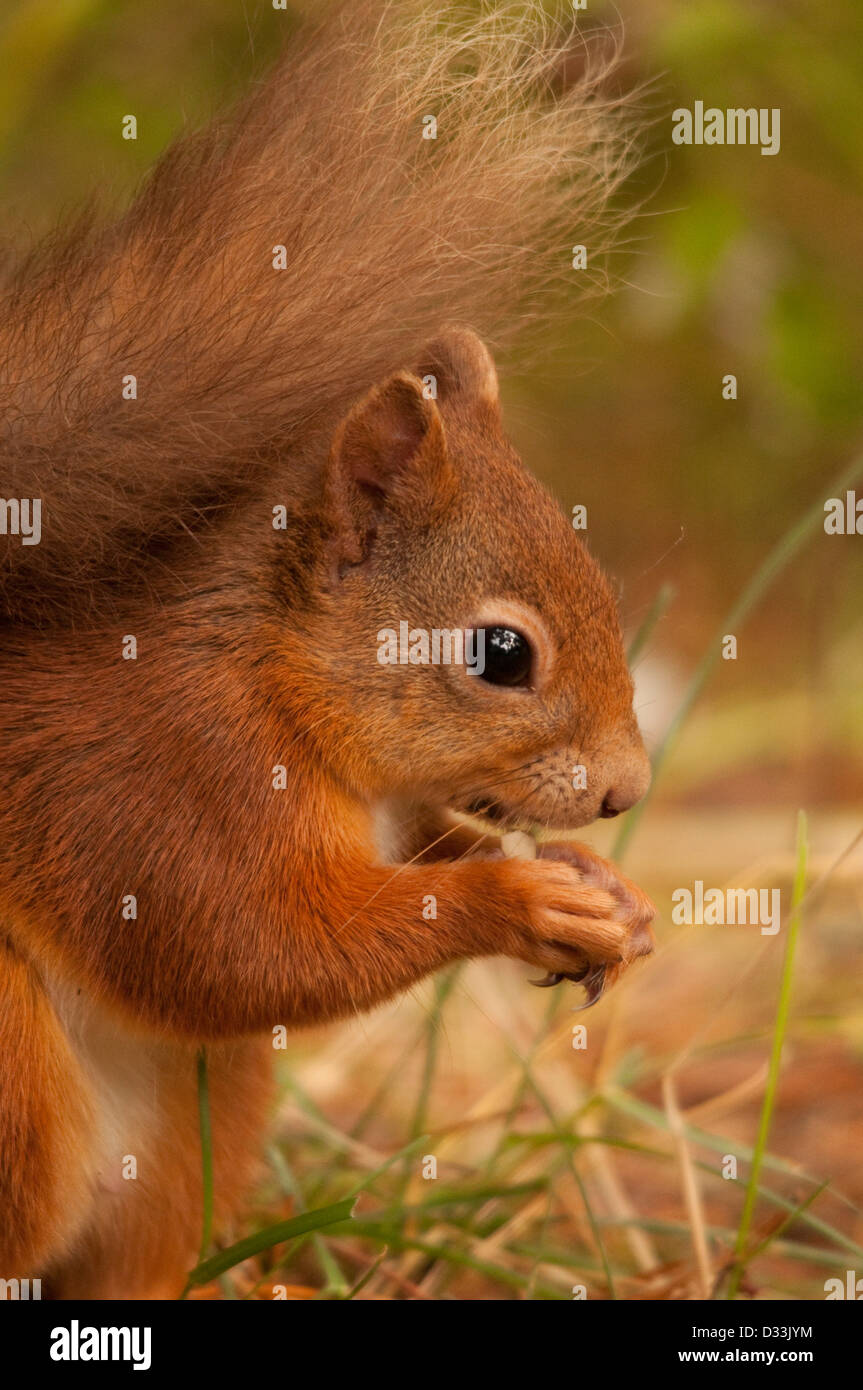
point(770, 1094)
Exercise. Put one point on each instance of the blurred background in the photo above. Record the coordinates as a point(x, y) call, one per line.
point(558, 1167)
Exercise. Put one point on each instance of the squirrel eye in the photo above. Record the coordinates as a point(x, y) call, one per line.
point(508, 657)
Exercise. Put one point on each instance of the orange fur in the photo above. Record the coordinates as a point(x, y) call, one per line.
point(266, 899)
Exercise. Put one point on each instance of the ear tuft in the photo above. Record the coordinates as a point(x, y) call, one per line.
point(462, 367)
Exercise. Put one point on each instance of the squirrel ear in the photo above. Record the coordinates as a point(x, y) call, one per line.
point(461, 365)
point(389, 450)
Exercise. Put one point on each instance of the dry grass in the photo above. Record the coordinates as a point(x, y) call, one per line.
point(599, 1167)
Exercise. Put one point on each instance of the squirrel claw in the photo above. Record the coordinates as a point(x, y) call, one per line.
point(594, 985)
point(553, 977)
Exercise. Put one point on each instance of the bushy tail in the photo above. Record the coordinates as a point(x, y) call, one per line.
point(386, 235)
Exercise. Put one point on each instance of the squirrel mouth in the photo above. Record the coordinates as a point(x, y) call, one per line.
point(491, 818)
point(483, 809)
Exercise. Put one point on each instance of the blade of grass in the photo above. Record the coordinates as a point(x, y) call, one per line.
point(443, 988)
point(526, 1083)
point(786, 1221)
point(679, 1230)
point(432, 1206)
point(655, 1119)
point(782, 1012)
point(522, 1087)
point(336, 1284)
point(577, 1179)
point(206, 1153)
point(370, 1178)
point(689, 1183)
point(508, 1277)
point(655, 614)
point(372, 1108)
point(368, 1181)
point(272, 1235)
point(540, 1257)
point(369, 1274)
point(777, 560)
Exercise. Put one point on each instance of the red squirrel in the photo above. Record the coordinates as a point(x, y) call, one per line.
point(220, 811)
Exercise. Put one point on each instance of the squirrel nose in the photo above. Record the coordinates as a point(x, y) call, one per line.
point(629, 778)
point(619, 799)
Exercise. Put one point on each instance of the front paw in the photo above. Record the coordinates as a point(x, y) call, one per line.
point(632, 910)
point(585, 921)
point(568, 925)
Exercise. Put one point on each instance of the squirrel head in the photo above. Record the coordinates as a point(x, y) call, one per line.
point(466, 644)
